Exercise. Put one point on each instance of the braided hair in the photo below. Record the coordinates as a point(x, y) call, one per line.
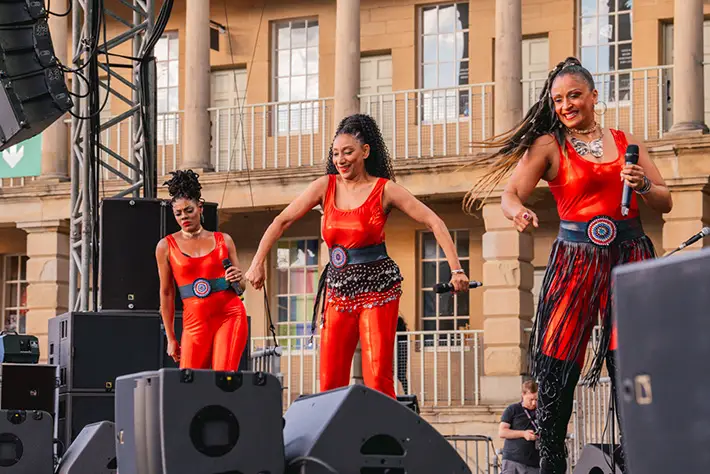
point(184, 184)
point(541, 119)
point(365, 130)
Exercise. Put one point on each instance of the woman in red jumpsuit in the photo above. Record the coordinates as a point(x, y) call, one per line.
point(560, 141)
point(214, 322)
point(362, 285)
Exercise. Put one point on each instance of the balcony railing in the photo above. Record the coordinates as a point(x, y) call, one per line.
point(442, 368)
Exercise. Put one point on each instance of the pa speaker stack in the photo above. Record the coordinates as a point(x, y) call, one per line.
point(661, 309)
point(33, 93)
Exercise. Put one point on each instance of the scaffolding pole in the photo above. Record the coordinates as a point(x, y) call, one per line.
point(132, 20)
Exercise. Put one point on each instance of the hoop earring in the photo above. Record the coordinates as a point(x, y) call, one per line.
point(605, 107)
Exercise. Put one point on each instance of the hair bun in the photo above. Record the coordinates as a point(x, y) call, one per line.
point(184, 184)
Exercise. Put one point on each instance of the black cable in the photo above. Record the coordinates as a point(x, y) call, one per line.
point(66, 13)
point(302, 460)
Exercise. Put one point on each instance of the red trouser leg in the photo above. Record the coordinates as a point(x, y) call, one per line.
point(230, 337)
point(338, 341)
point(378, 327)
point(196, 341)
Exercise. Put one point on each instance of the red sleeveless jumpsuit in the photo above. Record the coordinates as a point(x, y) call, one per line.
point(214, 328)
point(370, 317)
point(583, 190)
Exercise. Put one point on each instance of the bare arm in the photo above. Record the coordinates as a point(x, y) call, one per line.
point(531, 168)
point(310, 198)
point(167, 289)
point(505, 432)
point(659, 197)
point(232, 250)
point(398, 197)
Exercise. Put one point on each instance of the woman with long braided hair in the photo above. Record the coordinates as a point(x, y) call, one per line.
point(560, 141)
point(361, 286)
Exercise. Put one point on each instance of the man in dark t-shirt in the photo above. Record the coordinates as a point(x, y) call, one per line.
point(518, 428)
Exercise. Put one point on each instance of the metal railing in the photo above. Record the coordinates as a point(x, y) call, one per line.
point(442, 368)
point(478, 452)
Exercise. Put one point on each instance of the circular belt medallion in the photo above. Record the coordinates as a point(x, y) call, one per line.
point(338, 257)
point(601, 231)
point(201, 288)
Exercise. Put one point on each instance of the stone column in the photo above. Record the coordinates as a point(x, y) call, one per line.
point(196, 130)
point(508, 106)
point(55, 139)
point(507, 305)
point(690, 213)
point(47, 275)
point(688, 106)
point(347, 59)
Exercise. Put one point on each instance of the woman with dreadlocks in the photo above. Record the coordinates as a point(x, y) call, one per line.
point(361, 285)
point(560, 141)
point(214, 321)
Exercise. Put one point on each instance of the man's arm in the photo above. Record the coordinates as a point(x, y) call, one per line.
point(505, 432)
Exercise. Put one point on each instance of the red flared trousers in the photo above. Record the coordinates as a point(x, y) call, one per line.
point(375, 328)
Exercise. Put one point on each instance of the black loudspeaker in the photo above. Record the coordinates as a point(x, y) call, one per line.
point(207, 421)
point(92, 349)
point(28, 387)
point(661, 310)
point(78, 410)
point(19, 348)
point(33, 93)
point(596, 459)
point(169, 363)
point(131, 424)
point(129, 272)
point(356, 429)
point(93, 451)
point(26, 442)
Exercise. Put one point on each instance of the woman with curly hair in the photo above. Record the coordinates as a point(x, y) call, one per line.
point(361, 285)
point(214, 321)
point(560, 141)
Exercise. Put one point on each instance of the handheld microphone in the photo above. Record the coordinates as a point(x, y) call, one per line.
point(226, 263)
point(631, 157)
point(702, 234)
point(447, 287)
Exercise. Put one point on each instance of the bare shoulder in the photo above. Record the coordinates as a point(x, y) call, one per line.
point(630, 138)
point(545, 145)
point(162, 247)
point(227, 238)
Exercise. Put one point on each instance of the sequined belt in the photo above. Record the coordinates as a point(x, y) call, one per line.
point(601, 231)
point(340, 256)
point(202, 288)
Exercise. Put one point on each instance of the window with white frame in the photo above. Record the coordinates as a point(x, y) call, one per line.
point(605, 46)
point(167, 62)
point(14, 295)
point(444, 61)
point(296, 287)
point(445, 311)
point(296, 75)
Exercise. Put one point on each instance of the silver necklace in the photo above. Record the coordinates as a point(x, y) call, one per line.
point(594, 147)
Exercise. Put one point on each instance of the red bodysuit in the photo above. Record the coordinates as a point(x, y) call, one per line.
point(362, 300)
point(214, 327)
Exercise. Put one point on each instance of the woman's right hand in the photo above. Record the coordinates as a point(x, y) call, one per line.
point(256, 275)
point(174, 349)
point(524, 218)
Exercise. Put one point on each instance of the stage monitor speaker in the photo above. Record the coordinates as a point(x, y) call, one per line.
point(661, 309)
point(78, 410)
point(357, 429)
point(93, 451)
point(596, 459)
point(26, 442)
point(130, 231)
point(131, 424)
point(92, 349)
point(28, 387)
point(33, 92)
point(211, 421)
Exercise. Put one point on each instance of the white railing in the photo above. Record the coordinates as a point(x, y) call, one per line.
point(271, 135)
point(442, 368)
point(637, 100)
point(422, 123)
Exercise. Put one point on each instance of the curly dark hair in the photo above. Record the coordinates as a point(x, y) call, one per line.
point(365, 130)
point(184, 184)
point(540, 120)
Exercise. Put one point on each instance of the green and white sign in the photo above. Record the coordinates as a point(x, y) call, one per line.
point(22, 159)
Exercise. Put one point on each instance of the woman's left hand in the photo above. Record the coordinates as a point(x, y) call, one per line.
point(633, 175)
point(233, 275)
point(460, 282)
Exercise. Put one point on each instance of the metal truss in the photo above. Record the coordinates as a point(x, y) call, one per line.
point(140, 116)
